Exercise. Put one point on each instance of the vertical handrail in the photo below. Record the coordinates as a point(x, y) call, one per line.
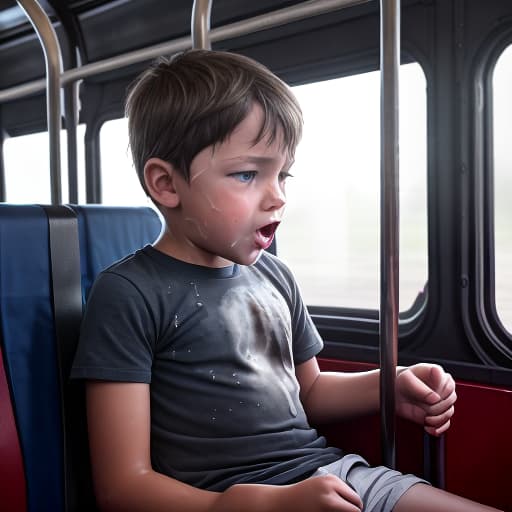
point(53, 61)
point(71, 92)
point(200, 24)
point(389, 245)
point(434, 460)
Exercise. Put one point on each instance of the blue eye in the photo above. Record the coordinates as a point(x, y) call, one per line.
point(244, 176)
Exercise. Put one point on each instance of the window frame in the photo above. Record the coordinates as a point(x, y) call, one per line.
point(486, 333)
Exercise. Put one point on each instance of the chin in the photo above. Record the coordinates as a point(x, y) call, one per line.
point(247, 260)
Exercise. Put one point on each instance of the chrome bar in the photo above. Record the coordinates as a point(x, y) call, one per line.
point(263, 22)
point(389, 230)
point(53, 61)
point(200, 26)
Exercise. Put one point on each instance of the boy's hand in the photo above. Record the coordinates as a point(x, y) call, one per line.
point(321, 493)
point(425, 394)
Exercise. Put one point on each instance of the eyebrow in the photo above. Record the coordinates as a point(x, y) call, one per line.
point(260, 160)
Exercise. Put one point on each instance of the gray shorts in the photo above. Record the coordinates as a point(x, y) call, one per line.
point(379, 487)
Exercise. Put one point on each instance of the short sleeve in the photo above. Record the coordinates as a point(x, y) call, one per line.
point(117, 333)
point(307, 342)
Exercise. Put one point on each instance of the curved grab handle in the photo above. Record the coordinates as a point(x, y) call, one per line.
point(200, 26)
point(53, 61)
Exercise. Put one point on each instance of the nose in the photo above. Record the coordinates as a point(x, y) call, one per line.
point(275, 197)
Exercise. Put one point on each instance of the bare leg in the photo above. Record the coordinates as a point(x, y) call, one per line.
point(423, 498)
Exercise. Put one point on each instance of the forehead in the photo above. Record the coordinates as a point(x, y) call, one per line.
point(243, 144)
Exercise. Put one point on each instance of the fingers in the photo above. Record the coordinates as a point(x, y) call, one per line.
point(350, 501)
point(412, 384)
point(440, 408)
point(446, 384)
point(438, 416)
point(428, 383)
point(430, 394)
point(436, 425)
point(346, 492)
point(437, 431)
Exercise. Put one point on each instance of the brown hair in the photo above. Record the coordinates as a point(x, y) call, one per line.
point(182, 105)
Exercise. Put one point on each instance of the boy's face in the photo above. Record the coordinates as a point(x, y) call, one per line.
point(234, 201)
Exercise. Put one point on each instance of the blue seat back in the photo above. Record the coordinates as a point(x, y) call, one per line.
point(28, 328)
point(26, 320)
point(108, 233)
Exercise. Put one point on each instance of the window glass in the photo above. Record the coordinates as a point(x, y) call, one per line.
point(502, 118)
point(330, 234)
point(119, 181)
point(27, 168)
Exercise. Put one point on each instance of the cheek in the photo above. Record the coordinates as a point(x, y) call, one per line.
point(234, 208)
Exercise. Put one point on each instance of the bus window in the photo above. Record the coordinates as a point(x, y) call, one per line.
point(502, 119)
point(331, 233)
point(119, 182)
point(27, 168)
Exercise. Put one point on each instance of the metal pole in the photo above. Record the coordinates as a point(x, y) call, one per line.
point(240, 28)
point(53, 61)
point(389, 255)
point(71, 117)
point(200, 27)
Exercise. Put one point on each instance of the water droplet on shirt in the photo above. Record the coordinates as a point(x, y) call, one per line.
point(176, 322)
point(195, 288)
point(234, 374)
point(230, 410)
point(258, 405)
point(199, 304)
point(241, 402)
point(213, 418)
point(169, 289)
point(189, 350)
point(238, 383)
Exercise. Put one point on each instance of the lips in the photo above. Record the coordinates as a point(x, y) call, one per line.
point(265, 235)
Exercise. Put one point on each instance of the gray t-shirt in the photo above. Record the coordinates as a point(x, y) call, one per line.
point(218, 347)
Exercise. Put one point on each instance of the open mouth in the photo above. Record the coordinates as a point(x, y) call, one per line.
point(269, 230)
point(266, 235)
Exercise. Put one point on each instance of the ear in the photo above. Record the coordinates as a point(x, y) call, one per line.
point(160, 178)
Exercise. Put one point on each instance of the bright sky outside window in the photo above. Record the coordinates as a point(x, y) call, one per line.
point(119, 181)
point(27, 168)
point(330, 236)
point(502, 116)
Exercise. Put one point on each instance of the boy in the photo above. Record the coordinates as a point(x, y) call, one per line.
point(198, 352)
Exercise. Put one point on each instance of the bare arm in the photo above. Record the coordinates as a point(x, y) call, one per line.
point(119, 437)
point(425, 394)
point(333, 396)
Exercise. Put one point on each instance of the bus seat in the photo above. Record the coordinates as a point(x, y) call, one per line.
point(28, 336)
point(28, 346)
point(12, 477)
point(108, 233)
